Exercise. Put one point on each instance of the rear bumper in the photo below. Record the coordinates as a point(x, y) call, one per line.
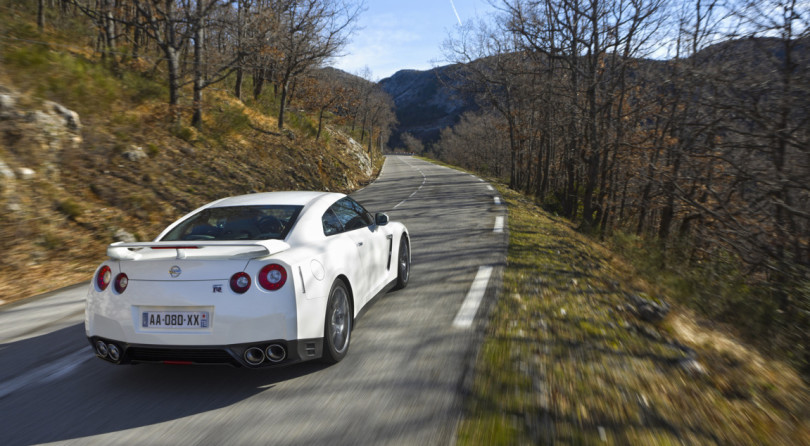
point(295, 351)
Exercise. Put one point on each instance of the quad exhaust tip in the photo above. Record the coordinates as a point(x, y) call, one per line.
point(254, 356)
point(276, 353)
point(101, 349)
point(108, 351)
point(115, 352)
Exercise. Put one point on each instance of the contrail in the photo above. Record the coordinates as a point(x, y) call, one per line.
point(456, 12)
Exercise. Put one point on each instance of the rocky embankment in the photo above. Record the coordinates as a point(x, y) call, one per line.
point(70, 185)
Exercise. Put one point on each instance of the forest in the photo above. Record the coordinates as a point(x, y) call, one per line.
point(244, 46)
point(677, 130)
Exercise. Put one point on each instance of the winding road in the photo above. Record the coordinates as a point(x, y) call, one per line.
point(402, 382)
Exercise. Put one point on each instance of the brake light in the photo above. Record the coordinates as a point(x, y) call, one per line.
point(240, 282)
point(272, 277)
point(104, 277)
point(121, 282)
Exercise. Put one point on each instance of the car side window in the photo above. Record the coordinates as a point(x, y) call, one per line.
point(351, 215)
point(366, 215)
point(331, 224)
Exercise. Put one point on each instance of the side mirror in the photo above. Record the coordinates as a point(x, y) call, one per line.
point(381, 219)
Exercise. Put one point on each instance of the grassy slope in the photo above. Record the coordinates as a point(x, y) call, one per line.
point(59, 230)
point(566, 360)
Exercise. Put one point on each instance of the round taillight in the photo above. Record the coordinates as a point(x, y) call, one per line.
point(272, 277)
point(240, 282)
point(121, 282)
point(104, 277)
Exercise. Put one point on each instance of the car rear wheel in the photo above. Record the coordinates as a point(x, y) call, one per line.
point(338, 324)
point(403, 263)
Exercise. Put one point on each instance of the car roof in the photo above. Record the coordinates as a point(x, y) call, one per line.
point(294, 198)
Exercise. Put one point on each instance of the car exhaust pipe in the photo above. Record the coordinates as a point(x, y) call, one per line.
point(276, 353)
point(101, 349)
point(254, 356)
point(114, 352)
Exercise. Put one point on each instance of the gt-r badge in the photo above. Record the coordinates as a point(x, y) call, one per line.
point(217, 288)
point(175, 271)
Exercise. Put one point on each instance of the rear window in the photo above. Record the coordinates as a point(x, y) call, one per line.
point(237, 223)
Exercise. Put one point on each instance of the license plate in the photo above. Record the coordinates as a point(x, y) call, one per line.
point(175, 319)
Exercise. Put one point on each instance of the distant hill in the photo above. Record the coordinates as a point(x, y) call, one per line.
point(425, 102)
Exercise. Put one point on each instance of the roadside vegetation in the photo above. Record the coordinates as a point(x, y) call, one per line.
point(692, 164)
point(93, 150)
point(584, 347)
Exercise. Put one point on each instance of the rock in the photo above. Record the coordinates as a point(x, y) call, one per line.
point(70, 117)
point(6, 172)
point(44, 121)
point(121, 235)
point(25, 173)
point(135, 154)
point(8, 106)
point(692, 367)
point(648, 310)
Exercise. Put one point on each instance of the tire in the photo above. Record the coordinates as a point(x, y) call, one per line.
point(403, 263)
point(338, 324)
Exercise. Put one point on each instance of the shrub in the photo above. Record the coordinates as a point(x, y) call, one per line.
point(152, 150)
point(70, 208)
point(227, 119)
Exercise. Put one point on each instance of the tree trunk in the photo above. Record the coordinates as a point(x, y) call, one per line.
point(258, 84)
point(237, 89)
point(320, 123)
point(40, 14)
point(173, 62)
point(281, 106)
point(199, 36)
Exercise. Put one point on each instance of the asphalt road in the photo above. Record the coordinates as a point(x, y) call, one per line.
point(402, 382)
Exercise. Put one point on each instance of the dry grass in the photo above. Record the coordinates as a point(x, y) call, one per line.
point(567, 361)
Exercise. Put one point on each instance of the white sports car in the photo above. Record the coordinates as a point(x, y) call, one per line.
point(255, 280)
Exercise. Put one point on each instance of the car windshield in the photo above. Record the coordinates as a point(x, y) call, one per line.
point(237, 223)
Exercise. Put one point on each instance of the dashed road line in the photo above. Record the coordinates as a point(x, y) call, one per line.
point(466, 314)
point(499, 221)
point(424, 180)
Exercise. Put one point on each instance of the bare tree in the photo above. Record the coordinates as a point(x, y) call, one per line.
point(322, 91)
point(311, 32)
point(412, 144)
point(164, 21)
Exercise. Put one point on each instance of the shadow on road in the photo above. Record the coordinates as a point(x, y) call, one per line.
point(95, 397)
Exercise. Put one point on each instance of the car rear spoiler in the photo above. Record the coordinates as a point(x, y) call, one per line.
point(198, 249)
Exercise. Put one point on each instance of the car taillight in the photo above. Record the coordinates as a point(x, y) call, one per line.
point(121, 282)
point(104, 277)
point(272, 277)
point(240, 282)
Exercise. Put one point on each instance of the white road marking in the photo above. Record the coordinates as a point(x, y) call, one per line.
point(497, 200)
point(466, 314)
point(47, 372)
point(424, 180)
point(498, 224)
point(489, 187)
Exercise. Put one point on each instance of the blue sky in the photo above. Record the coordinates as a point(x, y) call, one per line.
point(400, 34)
